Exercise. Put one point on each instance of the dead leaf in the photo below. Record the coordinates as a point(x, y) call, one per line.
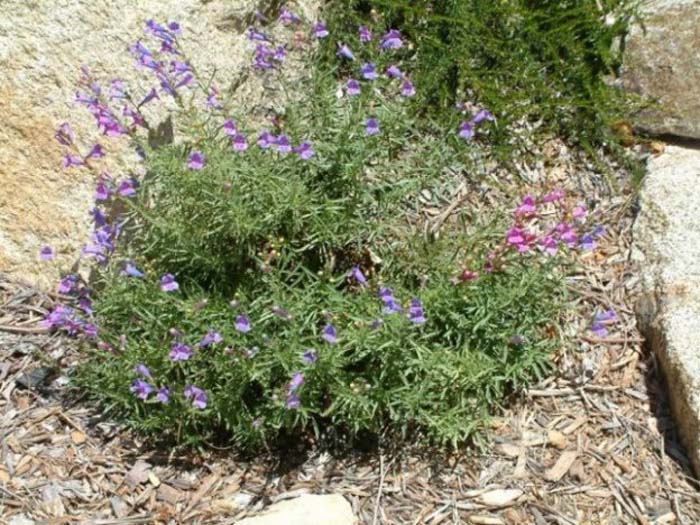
point(138, 473)
point(169, 494)
point(78, 437)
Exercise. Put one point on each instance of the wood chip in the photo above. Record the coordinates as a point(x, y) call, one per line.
point(78, 437)
point(499, 497)
point(562, 466)
point(486, 520)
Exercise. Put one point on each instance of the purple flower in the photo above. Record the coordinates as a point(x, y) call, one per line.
point(211, 338)
point(330, 334)
point(64, 134)
point(70, 160)
point(242, 324)
point(601, 320)
point(365, 34)
point(46, 253)
point(466, 130)
point(102, 191)
point(239, 142)
point(293, 401)
point(197, 160)
point(143, 370)
point(305, 150)
point(599, 231)
point(527, 207)
point(163, 395)
point(68, 284)
point(199, 397)
point(131, 270)
point(309, 357)
point(230, 127)
point(386, 295)
point(287, 17)
point(520, 239)
point(353, 87)
point(127, 188)
point(266, 140)
point(320, 30)
point(372, 126)
point(117, 89)
point(254, 34)
point(296, 382)
point(415, 312)
point(588, 242)
point(369, 71)
point(168, 283)
point(483, 115)
point(567, 234)
point(407, 88)
point(59, 317)
point(213, 100)
point(392, 307)
point(284, 145)
point(394, 72)
point(392, 40)
point(180, 352)
point(281, 313)
point(142, 389)
point(356, 273)
point(344, 51)
point(152, 94)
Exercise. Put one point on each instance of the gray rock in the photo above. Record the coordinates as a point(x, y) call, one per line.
point(667, 251)
point(309, 509)
point(661, 62)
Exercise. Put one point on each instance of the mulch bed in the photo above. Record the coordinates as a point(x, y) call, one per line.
point(593, 445)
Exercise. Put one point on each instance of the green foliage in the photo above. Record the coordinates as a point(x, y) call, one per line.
point(257, 230)
point(525, 60)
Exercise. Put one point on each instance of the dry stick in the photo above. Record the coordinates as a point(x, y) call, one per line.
point(382, 473)
point(23, 330)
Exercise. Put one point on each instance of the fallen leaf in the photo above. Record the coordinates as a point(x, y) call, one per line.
point(138, 473)
point(78, 437)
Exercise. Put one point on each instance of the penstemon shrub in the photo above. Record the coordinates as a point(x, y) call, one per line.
point(266, 277)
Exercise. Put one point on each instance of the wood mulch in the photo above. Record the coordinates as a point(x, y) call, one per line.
point(593, 445)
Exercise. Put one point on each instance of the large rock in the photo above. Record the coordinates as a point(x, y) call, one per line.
point(42, 46)
point(661, 63)
point(309, 509)
point(667, 251)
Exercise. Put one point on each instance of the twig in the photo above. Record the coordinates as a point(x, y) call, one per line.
point(382, 474)
point(23, 330)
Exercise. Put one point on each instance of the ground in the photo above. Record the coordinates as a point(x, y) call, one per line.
point(594, 444)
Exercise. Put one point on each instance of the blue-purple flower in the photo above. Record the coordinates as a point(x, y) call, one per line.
point(102, 191)
point(287, 17)
point(483, 115)
point(372, 126)
point(309, 357)
point(239, 142)
point(407, 88)
point(163, 395)
point(394, 72)
point(168, 283)
point(305, 150)
point(180, 352)
point(284, 145)
point(127, 188)
point(365, 34)
point(142, 389)
point(199, 397)
point(369, 71)
point(211, 338)
point(143, 370)
point(196, 161)
point(230, 127)
point(601, 322)
point(356, 273)
point(415, 312)
point(345, 52)
point(243, 324)
point(254, 34)
point(330, 334)
point(392, 40)
point(68, 284)
point(320, 30)
point(96, 152)
point(70, 160)
point(131, 270)
point(466, 130)
point(266, 140)
point(46, 253)
point(353, 87)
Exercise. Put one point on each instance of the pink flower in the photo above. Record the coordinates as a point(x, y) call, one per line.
point(520, 239)
point(567, 234)
point(553, 196)
point(580, 212)
point(549, 244)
